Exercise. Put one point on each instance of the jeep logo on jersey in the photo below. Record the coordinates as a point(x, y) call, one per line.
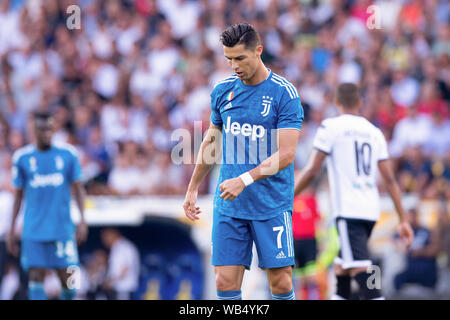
point(47, 180)
point(255, 131)
point(266, 102)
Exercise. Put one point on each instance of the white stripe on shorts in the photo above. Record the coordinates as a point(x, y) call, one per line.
point(346, 250)
point(288, 227)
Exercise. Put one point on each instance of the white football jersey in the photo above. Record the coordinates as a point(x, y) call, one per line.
point(354, 147)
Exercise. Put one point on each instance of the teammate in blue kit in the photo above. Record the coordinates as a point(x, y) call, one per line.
point(257, 115)
point(44, 174)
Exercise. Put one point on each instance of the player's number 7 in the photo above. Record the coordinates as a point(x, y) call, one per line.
point(280, 230)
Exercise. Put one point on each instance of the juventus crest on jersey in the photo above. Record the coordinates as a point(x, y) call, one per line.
point(354, 147)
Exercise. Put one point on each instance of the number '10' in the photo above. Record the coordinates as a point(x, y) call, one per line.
point(363, 155)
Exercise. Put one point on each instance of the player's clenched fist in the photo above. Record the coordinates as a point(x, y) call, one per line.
point(231, 188)
point(190, 210)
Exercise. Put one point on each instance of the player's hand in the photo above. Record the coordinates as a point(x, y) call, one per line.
point(190, 210)
point(406, 233)
point(12, 245)
point(231, 188)
point(82, 232)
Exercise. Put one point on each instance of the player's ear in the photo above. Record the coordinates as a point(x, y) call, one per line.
point(259, 50)
point(359, 103)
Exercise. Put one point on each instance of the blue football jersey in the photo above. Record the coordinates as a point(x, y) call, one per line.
point(46, 177)
point(250, 116)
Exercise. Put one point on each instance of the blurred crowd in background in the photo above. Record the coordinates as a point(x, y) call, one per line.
point(139, 69)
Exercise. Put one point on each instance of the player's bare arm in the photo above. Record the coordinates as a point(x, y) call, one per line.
point(404, 228)
point(11, 239)
point(311, 170)
point(206, 159)
point(79, 195)
point(288, 139)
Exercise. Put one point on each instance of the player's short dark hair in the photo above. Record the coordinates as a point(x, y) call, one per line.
point(347, 95)
point(42, 115)
point(241, 33)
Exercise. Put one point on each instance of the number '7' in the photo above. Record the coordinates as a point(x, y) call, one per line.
point(280, 230)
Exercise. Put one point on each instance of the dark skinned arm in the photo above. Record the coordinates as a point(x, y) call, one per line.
point(311, 170)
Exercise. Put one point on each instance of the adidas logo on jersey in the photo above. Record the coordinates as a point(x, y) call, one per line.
point(255, 131)
point(281, 255)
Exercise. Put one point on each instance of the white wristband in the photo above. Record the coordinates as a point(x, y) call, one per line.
point(246, 178)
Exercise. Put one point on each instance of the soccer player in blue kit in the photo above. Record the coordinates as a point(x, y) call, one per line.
point(258, 114)
point(43, 174)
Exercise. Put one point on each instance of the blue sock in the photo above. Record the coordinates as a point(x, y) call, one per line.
point(229, 295)
point(67, 294)
point(284, 296)
point(36, 291)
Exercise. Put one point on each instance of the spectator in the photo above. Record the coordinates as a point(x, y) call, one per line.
point(96, 151)
point(6, 203)
point(439, 185)
point(440, 133)
point(405, 89)
point(182, 16)
point(304, 223)
point(123, 265)
point(444, 239)
point(124, 177)
point(430, 100)
point(96, 269)
point(411, 131)
point(82, 121)
point(13, 115)
point(421, 265)
point(151, 178)
point(414, 171)
point(442, 46)
point(106, 80)
point(144, 82)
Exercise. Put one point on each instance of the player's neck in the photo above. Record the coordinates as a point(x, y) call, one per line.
point(43, 147)
point(353, 112)
point(261, 74)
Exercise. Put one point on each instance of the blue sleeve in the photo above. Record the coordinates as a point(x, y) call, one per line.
point(18, 178)
point(216, 119)
point(75, 170)
point(290, 114)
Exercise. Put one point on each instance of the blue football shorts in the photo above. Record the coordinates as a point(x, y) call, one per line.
point(49, 254)
point(232, 241)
